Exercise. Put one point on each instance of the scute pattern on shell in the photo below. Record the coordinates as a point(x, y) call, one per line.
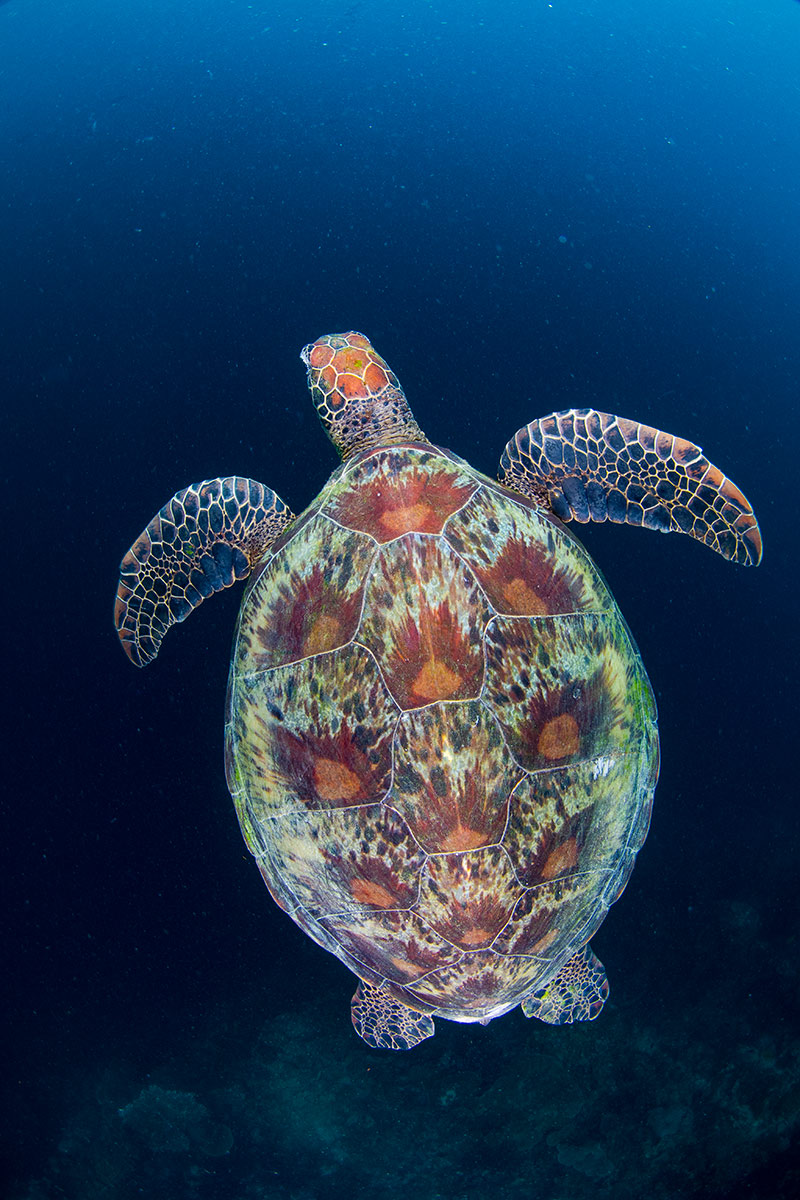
point(440, 737)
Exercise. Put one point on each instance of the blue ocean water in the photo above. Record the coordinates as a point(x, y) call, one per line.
point(526, 206)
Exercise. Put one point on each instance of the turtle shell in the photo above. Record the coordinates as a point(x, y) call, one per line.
point(440, 738)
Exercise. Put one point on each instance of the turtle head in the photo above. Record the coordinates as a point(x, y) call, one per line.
point(357, 396)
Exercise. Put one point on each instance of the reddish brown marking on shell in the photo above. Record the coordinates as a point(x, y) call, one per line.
point(572, 805)
point(561, 860)
point(423, 620)
point(326, 631)
point(335, 781)
point(548, 716)
point(559, 738)
point(468, 898)
point(306, 621)
point(374, 882)
point(366, 891)
point(284, 755)
point(462, 837)
point(386, 502)
point(545, 917)
point(435, 680)
point(521, 574)
point(519, 597)
point(308, 602)
point(330, 770)
point(358, 859)
point(452, 778)
point(392, 945)
point(473, 985)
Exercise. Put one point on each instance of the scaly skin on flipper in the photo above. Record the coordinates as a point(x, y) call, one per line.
point(384, 1023)
point(591, 466)
point(206, 538)
point(577, 993)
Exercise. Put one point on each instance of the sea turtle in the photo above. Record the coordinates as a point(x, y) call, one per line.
point(440, 738)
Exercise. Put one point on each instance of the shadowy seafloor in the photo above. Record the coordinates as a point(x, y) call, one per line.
point(699, 1098)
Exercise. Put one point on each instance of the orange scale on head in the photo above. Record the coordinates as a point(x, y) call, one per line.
point(335, 400)
point(327, 378)
point(358, 339)
point(351, 385)
point(375, 378)
point(350, 359)
point(320, 356)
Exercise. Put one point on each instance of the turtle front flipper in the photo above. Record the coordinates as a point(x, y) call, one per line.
point(384, 1022)
point(591, 466)
point(577, 993)
point(204, 539)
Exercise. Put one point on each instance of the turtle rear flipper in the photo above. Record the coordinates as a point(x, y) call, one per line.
point(591, 466)
point(384, 1022)
point(204, 539)
point(577, 993)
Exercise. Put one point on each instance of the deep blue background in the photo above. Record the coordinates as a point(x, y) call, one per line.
point(526, 206)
